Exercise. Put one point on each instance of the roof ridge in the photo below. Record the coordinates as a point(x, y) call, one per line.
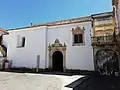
point(73, 20)
point(67, 21)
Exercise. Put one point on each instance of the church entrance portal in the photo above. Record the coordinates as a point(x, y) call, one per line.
point(57, 62)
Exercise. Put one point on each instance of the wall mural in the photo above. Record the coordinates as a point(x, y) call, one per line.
point(107, 62)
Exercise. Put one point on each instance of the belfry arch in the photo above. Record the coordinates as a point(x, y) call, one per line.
point(57, 47)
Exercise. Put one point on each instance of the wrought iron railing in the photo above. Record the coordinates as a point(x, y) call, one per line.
point(103, 40)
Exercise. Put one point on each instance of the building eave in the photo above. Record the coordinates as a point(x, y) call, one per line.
point(5, 32)
point(99, 15)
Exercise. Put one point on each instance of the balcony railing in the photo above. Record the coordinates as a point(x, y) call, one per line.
point(102, 40)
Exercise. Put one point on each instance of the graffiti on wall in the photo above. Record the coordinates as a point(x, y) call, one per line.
point(107, 62)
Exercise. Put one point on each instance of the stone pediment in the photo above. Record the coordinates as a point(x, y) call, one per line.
point(78, 30)
point(57, 44)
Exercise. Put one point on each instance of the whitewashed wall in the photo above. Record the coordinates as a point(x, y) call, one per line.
point(77, 57)
point(34, 45)
point(37, 41)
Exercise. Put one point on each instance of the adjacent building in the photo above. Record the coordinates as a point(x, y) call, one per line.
point(103, 24)
point(105, 45)
point(3, 49)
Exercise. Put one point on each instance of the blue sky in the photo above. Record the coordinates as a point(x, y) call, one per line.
point(20, 13)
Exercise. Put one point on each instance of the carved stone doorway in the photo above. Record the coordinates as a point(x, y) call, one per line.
point(57, 62)
point(57, 49)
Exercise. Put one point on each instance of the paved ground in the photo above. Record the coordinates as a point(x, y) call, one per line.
point(24, 81)
point(100, 83)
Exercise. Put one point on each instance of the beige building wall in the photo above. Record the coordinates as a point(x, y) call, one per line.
point(116, 12)
point(103, 24)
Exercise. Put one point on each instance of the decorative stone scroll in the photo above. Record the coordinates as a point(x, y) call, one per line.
point(78, 30)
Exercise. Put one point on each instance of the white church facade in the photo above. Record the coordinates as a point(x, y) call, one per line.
point(87, 43)
point(58, 45)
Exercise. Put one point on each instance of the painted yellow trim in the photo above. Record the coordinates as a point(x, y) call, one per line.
point(2, 51)
point(94, 29)
point(105, 30)
point(99, 30)
point(103, 25)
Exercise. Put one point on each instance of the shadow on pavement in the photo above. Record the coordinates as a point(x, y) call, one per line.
point(97, 82)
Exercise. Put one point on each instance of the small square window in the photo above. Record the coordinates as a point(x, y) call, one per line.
point(20, 41)
point(78, 38)
point(23, 41)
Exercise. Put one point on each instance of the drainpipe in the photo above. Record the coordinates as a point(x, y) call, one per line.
point(117, 25)
point(46, 45)
point(116, 18)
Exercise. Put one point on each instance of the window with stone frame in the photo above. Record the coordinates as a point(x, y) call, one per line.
point(20, 41)
point(78, 36)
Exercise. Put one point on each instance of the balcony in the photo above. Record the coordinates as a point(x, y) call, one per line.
point(104, 40)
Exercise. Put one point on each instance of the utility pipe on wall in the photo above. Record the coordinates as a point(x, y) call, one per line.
point(116, 17)
point(46, 45)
